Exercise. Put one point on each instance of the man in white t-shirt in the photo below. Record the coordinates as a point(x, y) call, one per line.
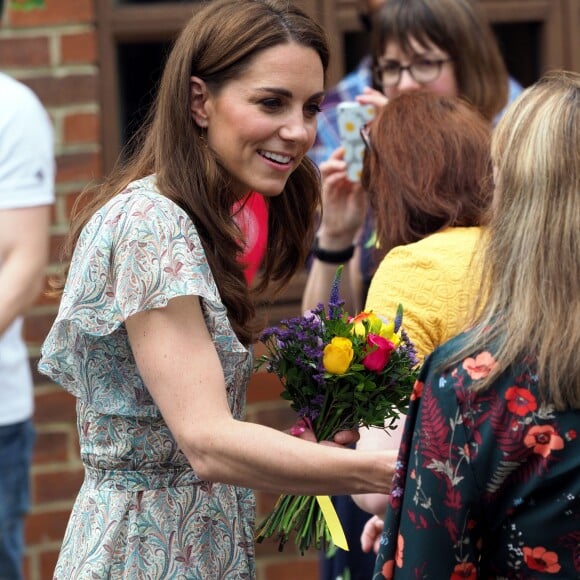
point(26, 194)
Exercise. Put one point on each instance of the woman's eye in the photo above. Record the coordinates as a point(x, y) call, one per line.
point(312, 109)
point(271, 103)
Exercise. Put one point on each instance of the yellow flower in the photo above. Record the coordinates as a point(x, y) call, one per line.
point(338, 355)
point(376, 326)
point(388, 331)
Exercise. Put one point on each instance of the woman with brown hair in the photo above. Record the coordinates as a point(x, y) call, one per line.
point(445, 47)
point(429, 177)
point(156, 324)
point(487, 482)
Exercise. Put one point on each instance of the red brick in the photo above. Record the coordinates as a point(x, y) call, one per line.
point(48, 560)
point(46, 527)
point(264, 387)
point(70, 201)
point(24, 52)
point(81, 128)
point(36, 327)
point(73, 89)
point(26, 566)
point(53, 12)
point(55, 407)
point(264, 503)
point(78, 167)
point(50, 447)
point(58, 486)
point(305, 568)
point(278, 417)
point(45, 297)
point(78, 48)
point(56, 242)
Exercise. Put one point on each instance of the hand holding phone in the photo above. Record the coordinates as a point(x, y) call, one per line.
point(351, 118)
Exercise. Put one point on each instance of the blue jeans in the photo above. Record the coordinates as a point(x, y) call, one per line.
point(16, 443)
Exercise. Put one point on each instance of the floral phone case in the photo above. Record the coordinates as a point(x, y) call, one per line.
point(351, 117)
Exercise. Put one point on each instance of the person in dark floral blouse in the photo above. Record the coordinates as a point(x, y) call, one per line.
point(487, 483)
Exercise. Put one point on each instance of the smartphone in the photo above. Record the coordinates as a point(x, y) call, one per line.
point(351, 117)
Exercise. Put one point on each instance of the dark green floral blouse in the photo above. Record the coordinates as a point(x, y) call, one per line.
point(487, 484)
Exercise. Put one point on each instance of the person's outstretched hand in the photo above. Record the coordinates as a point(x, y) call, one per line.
point(370, 538)
point(343, 204)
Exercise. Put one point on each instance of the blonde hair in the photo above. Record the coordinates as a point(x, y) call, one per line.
point(532, 258)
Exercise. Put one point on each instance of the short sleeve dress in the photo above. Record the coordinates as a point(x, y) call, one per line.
point(142, 512)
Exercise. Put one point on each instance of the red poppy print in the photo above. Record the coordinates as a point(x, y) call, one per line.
point(417, 390)
point(400, 550)
point(480, 366)
point(388, 569)
point(541, 560)
point(544, 439)
point(520, 401)
point(464, 570)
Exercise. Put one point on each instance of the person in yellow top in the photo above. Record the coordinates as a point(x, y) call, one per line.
point(435, 279)
point(429, 177)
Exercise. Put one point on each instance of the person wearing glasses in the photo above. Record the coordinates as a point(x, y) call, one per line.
point(442, 46)
point(487, 482)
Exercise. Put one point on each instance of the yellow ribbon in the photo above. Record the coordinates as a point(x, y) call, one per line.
point(332, 521)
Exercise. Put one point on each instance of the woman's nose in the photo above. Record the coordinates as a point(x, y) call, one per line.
point(296, 128)
point(407, 82)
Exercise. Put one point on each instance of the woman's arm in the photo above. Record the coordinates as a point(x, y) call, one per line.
point(343, 213)
point(178, 362)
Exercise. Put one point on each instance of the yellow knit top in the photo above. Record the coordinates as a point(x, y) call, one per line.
point(437, 282)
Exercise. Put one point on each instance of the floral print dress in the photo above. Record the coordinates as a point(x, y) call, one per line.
point(487, 484)
point(141, 511)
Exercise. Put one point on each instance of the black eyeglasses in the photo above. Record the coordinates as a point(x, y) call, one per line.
point(423, 71)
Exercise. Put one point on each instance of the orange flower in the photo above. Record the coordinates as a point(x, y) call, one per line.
point(541, 560)
point(399, 552)
point(388, 569)
point(464, 570)
point(520, 401)
point(417, 390)
point(480, 366)
point(543, 438)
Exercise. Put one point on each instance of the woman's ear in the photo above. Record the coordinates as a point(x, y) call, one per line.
point(197, 101)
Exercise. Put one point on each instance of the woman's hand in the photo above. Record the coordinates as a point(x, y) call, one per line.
point(343, 204)
point(371, 535)
point(341, 439)
point(371, 96)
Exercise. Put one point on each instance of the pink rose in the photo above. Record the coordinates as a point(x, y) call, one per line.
point(379, 353)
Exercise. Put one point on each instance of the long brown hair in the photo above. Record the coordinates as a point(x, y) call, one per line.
point(428, 167)
point(531, 302)
point(457, 27)
point(218, 45)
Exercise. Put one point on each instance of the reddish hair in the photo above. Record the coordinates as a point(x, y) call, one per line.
point(428, 167)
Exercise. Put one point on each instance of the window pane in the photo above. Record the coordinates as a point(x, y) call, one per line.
point(520, 45)
point(140, 67)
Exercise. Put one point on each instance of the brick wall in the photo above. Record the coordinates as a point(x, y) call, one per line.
point(53, 49)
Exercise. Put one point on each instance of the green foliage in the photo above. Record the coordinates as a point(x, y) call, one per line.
point(26, 5)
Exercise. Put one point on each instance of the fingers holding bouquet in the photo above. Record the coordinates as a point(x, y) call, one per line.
point(303, 429)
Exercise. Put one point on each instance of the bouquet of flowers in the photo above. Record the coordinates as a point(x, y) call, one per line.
point(338, 373)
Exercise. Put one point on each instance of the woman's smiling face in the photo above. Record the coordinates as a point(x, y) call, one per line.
point(261, 124)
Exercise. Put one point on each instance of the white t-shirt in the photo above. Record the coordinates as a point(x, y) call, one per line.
point(26, 180)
